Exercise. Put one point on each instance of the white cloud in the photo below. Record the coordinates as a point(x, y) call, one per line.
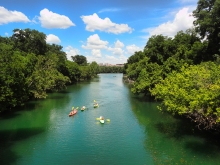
point(116, 60)
point(51, 38)
point(51, 20)
point(6, 34)
point(119, 44)
point(117, 49)
point(7, 16)
point(93, 22)
point(94, 42)
point(96, 53)
point(70, 51)
point(131, 49)
point(183, 20)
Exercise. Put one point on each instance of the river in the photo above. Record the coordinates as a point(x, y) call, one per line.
point(42, 133)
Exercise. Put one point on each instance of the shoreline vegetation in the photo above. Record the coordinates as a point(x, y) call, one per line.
point(182, 72)
point(31, 68)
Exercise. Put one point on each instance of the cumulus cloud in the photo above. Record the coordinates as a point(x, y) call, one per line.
point(117, 49)
point(131, 49)
point(116, 60)
point(51, 20)
point(93, 22)
point(7, 16)
point(183, 20)
point(94, 42)
point(51, 38)
point(70, 51)
point(96, 53)
point(119, 44)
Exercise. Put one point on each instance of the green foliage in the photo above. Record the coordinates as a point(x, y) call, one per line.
point(136, 57)
point(29, 41)
point(159, 48)
point(30, 68)
point(111, 69)
point(73, 71)
point(13, 86)
point(79, 59)
point(46, 77)
point(61, 55)
point(196, 89)
point(207, 24)
point(149, 75)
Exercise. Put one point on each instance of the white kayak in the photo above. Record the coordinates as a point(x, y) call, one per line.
point(102, 121)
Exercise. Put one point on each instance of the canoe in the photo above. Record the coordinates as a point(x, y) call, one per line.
point(72, 112)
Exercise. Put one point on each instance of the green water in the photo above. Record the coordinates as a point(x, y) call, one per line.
point(138, 134)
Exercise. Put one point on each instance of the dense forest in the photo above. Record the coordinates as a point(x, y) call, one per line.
point(183, 72)
point(30, 68)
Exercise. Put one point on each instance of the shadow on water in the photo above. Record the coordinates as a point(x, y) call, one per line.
point(29, 106)
point(144, 98)
point(9, 137)
point(198, 141)
point(8, 115)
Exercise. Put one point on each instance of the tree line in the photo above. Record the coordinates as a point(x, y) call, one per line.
point(183, 72)
point(30, 68)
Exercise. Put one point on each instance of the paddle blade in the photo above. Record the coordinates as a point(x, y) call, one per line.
point(97, 118)
point(108, 120)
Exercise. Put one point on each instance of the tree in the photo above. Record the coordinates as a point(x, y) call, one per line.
point(79, 59)
point(193, 92)
point(73, 71)
point(149, 74)
point(29, 41)
point(159, 48)
point(207, 24)
point(61, 55)
point(94, 68)
point(46, 77)
point(13, 83)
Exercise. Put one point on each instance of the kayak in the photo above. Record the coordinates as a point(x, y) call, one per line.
point(102, 120)
point(83, 108)
point(96, 105)
point(73, 112)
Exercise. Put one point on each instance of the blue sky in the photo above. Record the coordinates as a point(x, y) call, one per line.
point(105, 31)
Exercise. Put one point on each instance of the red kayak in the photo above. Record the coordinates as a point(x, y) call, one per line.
point(73, 112)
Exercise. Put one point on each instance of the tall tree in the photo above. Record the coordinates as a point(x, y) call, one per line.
point(30, 41)
point(79, 59)
point(159, 48)
point(207, 24)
